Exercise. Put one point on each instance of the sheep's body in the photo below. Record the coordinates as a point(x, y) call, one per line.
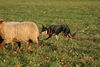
point(18, 32)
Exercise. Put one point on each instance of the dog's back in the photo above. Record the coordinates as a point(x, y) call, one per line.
point(56, 29)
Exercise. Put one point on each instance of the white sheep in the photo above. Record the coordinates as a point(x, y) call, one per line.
point(18, 32)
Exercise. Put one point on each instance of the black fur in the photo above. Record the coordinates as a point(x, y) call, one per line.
point(56, 29)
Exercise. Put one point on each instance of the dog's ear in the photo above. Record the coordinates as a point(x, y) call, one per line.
point(43, 26)
point(1, 21)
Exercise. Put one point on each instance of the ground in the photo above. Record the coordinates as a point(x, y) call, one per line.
point(82, 16)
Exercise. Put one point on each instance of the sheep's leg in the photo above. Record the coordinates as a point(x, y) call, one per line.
point(26, 48)
point(19, 46)
point(1, 45)
point(36, 42)
point(12, 46)
point(29, 45)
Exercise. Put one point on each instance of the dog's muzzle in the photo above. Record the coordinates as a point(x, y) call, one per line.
point(44, 33)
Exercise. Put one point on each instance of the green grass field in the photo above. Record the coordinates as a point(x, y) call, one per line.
point(82, 16)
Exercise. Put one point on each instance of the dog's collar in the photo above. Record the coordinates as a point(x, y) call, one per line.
point(48, 31)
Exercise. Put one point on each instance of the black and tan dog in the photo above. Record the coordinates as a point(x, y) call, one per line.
point(56, 29)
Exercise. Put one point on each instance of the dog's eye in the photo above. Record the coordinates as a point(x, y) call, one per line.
point(43, 29)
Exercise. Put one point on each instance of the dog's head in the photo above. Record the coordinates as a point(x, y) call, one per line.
point(44, 30)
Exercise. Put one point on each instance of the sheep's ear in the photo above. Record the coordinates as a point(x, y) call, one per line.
point(1, 21)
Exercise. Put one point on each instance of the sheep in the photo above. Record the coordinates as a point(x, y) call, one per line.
point(19, 32)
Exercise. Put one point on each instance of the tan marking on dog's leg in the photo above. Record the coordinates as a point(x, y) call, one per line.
point(64, 37)
point(67, 37)
point(70, 37)
point(56, 36)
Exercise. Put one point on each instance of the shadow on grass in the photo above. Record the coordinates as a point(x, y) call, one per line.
point(88, 38)
point(48, 44)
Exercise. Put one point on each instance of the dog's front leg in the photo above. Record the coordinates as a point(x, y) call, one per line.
point(49, 36)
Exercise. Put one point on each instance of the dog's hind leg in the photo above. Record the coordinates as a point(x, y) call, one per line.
point(67, 34)
point(66, 37)
point(70, 36)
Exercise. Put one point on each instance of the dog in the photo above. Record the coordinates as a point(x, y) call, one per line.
point(56, 29)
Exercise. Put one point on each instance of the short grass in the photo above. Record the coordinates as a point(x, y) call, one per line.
point(82, 16)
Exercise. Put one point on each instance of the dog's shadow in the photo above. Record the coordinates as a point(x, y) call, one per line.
point(48, 44)
point(88, 39)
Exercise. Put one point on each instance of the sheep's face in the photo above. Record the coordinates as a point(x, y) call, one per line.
point(44, 30)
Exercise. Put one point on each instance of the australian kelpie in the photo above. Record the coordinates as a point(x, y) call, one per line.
point(56, 29)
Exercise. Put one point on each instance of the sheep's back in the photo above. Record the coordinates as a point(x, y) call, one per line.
point(7, 32)
point(26, 31)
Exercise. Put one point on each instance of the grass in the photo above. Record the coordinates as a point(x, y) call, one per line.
point(82, 16)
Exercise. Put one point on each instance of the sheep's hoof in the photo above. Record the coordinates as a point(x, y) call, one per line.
point(17, 50)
